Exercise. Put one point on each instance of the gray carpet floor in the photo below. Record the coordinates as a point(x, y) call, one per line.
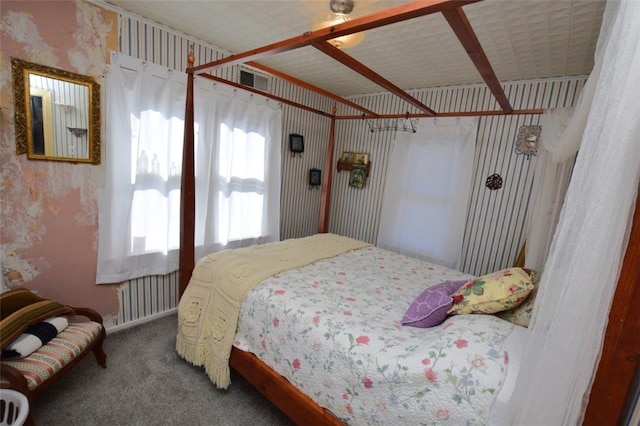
point(147, 383)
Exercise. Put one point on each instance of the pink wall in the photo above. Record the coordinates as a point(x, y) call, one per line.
point(49, 210)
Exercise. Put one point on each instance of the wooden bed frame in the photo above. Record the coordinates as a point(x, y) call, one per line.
point(611, 389)
point(295, 404)
point(291, 401)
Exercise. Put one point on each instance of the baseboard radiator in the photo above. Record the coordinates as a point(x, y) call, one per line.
point(147, 297)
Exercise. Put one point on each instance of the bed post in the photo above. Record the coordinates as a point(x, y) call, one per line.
point(612, 394)
point(187, 187)
point(323, 224)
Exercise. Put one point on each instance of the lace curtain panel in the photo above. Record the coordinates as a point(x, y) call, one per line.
point(584, 261)
point(554, 166)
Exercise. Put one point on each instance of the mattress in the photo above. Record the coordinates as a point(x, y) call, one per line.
point(333, 329)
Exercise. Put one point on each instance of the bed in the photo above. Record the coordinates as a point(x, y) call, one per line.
point(322, 340)
point(332, 330)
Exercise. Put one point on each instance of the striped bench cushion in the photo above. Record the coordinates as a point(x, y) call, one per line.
point(52, 357)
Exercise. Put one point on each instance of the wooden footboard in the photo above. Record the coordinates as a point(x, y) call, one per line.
point(284, 395)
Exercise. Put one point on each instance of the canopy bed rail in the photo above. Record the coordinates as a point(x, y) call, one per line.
point(453, 13)
point(293, 402)
point(280, 391)
point(270, 383)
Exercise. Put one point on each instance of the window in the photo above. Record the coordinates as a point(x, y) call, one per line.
point(427, 190)
point(237, 157)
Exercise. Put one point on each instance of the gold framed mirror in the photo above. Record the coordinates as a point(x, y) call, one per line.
point(57, 113)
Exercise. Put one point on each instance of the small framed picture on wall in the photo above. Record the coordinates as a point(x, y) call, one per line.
point(358, 176)
point(361, 158)
point(296, 143)
point(347, 157)
point(315, 177)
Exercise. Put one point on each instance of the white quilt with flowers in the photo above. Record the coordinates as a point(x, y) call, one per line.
point(333, 329)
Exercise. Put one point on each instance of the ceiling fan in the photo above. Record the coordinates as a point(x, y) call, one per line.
point(338, 14)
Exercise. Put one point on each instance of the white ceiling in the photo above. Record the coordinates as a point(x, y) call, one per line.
point(523, 39)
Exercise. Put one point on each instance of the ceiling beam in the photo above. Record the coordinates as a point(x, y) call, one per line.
point(379, 19)
point(311, 87)
point(343, 58)
point(267, 95)
point(462, 28)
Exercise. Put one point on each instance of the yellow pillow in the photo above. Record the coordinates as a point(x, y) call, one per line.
point(521, 314)
point(493, 293)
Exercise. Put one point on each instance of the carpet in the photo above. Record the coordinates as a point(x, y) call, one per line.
point(147, 383)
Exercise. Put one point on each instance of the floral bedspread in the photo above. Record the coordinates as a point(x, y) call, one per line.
point(333, 329)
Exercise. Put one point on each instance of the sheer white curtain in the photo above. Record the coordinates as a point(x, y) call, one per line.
point(554, 165)
point(238, 175)
point(584, 261)
point(427, 190)
point(139, 206)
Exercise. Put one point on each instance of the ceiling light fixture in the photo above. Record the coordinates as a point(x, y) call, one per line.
point(339, 14)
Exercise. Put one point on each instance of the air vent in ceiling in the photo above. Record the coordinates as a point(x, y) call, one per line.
point(252, 79)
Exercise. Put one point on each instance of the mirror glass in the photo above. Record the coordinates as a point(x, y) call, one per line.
point(57, 114)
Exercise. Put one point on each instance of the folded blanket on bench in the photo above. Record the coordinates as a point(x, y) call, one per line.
point(57, 354)
point(34, 337)
point(20, 308)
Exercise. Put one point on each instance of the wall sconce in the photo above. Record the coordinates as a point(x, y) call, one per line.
point(527, 140)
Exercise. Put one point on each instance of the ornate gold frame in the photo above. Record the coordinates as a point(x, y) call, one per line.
point(20, 70)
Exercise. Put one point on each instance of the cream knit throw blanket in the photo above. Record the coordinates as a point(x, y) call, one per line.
point(209, 308)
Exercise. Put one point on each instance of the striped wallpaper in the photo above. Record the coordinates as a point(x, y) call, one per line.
point(152, 43)
point(495, 224)
point(147, 296)
point(494, 229)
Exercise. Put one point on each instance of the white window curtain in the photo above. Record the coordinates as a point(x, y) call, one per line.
point(238, 174)
point(582, 269)
point(554, 165)
point(139, 217)
point(427, 190)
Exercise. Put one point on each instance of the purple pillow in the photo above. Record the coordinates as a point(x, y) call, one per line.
point(430, 307)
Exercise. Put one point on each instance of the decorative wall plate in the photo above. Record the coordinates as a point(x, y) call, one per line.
point(494, 182)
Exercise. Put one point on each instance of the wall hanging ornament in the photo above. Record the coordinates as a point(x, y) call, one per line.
point(400, 124)
point(528, 140)
point(348, 160)
point(494, 182)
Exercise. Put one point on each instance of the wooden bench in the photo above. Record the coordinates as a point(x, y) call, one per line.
point(30, 375)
